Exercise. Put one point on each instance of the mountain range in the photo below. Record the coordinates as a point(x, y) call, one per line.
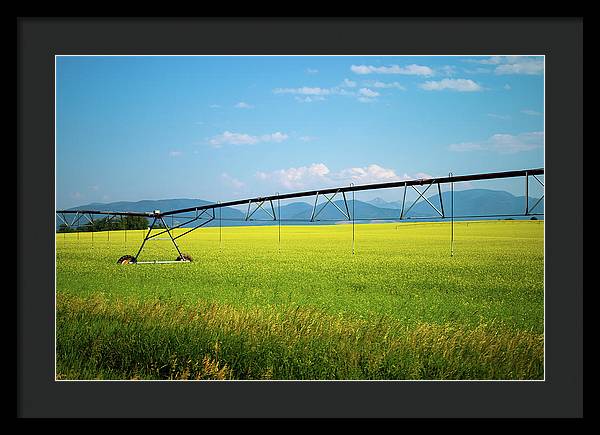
point(474, 203)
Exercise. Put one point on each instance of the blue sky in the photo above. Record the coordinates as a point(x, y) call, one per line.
point(230, 127)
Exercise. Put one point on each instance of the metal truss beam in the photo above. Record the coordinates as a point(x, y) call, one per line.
point(259, 205)
point(195, 228)
point(351, 188)
point(208, 210)
point(329, 200)
point(422, 195)
point(358, 188)
point(528, 209)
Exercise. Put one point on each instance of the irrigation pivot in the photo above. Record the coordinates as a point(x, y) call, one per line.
point(204, 214)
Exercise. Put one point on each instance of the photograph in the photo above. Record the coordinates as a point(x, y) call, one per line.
point(290, 217)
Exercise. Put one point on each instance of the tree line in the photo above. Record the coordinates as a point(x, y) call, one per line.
point(108, 224)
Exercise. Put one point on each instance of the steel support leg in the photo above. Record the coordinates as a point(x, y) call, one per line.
point(526, 193)
point(172, 239)
point(145, 238)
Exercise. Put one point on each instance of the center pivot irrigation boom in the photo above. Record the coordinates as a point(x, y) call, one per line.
point(204, 214)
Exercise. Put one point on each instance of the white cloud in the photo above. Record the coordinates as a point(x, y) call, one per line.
point(366, 95)
point(307, 138)
point(366, 92)
point(486, 61)
point(318, 175)
point(311, 71)
point(478, 70)
point(383, 85)
point(175, 153)
point(309, 99)
point(530, 112)
point(296, 178)
point(448, 70)
point(522, 65)
point(515, 64)
point(274, 137)
point(366, 100)
point(495, 115)
point(305, 90)
point(423, 175)
point(368, 174)
point(307, 94)
point(243, 105)
point(361, 69)
point(507, 87)
point(342, 91)
point(503, 143)
point(494, 60)
point(393, 69)
point(214, 106)
point(234, 182)
point(318, 169)
point(229, 138)
point(460, 85)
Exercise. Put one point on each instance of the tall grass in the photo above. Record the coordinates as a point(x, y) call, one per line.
point(132, 339)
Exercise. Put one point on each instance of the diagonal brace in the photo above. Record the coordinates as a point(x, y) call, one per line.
point(259, 205)
point(417, 200)
point(540, 199)
point(172, 239)
point(429, 202)
point(185, 223)
point(330, 200)
point(62, 218)
point(195, 228)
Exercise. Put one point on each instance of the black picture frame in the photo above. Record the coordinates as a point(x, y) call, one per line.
point(560, 40)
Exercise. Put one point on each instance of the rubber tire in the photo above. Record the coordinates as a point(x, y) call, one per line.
point(126, 259)
point(184, 257)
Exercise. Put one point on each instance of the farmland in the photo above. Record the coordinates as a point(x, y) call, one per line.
point(249, 307)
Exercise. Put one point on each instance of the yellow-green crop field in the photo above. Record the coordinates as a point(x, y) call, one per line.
point(249, 307)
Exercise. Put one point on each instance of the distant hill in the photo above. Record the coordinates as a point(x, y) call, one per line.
point(477, 202)
point(149, 205)
point(144, 205)
point(380, 202)
point(472, 202)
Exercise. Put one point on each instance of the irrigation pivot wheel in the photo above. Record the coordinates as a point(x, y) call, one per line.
point(184, 257)
point(126, 259)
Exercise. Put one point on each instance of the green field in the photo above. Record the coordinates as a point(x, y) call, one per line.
point(249, 307)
